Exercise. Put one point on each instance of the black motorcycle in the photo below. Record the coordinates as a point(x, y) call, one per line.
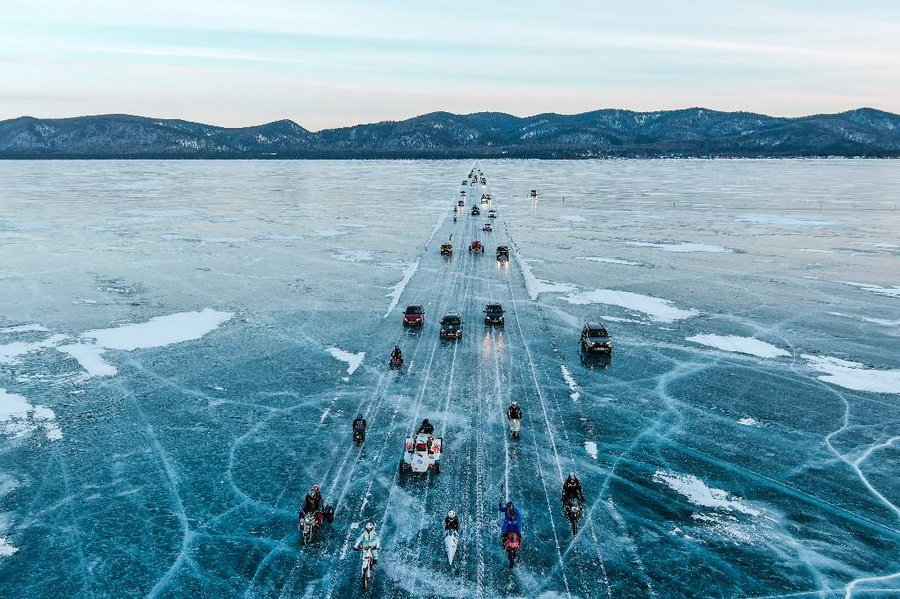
point(359, 437)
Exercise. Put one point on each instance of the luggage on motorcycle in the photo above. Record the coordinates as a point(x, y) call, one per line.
point(328, 513)
point(451, 542)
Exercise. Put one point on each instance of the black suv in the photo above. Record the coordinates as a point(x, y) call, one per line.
point(503, 253)
point(451, 327)
point(493, 314)
point(594, 338)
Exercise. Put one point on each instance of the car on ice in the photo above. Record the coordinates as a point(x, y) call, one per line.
point(502, 253)
point(476, 211)
point(451, 327)
point(421, 455)
point(476, 246)
point(446, 249)
point(485, 198)
point(492, 213)
point(487, 227)
point(493, 314)
point(414, 316)
point(461, 203)
point(595, 338)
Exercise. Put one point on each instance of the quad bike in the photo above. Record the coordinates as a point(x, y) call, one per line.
point(573, 510)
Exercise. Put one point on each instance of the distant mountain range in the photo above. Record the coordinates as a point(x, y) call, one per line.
point(693, 132)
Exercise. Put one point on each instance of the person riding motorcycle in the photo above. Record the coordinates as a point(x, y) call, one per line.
point(512, 520)
point(426, 428)
point(313, 504)
point(571, 489)
point(369, 538)
point(514, 415)
point(396, 354)
point(359, 425)
point(451, 522)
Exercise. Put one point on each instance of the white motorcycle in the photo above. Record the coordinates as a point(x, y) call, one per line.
point(514, 425)
point(367, 563)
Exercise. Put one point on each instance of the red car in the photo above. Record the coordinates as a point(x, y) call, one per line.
point(414, 316)
point(476, 246)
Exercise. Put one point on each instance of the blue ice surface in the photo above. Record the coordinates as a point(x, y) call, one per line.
point(708, 472)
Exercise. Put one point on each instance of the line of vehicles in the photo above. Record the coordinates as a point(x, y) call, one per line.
point(423, 450)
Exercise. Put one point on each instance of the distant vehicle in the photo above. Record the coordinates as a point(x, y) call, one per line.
point(422, 454)
point(493, 314)
point(465, 182)
point(476, 246)
point(485, 198)
point(461, 203)
point(534, 193)
point(462, 192)
point(414, 316)
point(487, 227)
point(476, 211)
point(451, 327)
point(594, 338)
point(483, 181)
point(492, 213)
point(446, 249)
point(502, 253)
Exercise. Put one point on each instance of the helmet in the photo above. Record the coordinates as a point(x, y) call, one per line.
point(509, 505)
point(451, 514)
point(396, 347)
point(515, 403)
point(572, 475)
point(315, 489)
point(370, 527)
point(425, 421)
point(359, 416)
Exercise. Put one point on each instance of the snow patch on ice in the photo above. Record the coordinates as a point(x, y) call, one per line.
point(570, 382)
point(6, 548)
point(160, 331)
point(328, 232)
point(699, 493)
point(609, 260)
point(353, 255)
point(19, 418)
point(853, 375)
point(353, 360)
point(659, 310)
point(784, 221)
point(748, 421)
point(11, 352)
point(156, 332)
point(160, 213)
point(879, 244)
point(617, 319)
point(880, 321)
point(397, 290)
point(815, 251)
point(536, 286)
point(681, 247)
point(888, 291)
point(23, 328)
point(591, 448)
point(742, 345)
point(573, 218)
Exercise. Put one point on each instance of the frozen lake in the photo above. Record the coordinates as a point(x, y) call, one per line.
point(183, 346)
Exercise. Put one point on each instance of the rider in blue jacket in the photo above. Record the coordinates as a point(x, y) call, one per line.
point(512, 519)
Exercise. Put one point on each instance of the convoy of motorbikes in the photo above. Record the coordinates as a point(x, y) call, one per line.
point(423, 450)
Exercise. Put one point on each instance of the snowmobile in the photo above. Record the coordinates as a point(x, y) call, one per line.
point(512, 545)
point(573, 510)
point(422, 455)
point(451, 542)
point(308, 524)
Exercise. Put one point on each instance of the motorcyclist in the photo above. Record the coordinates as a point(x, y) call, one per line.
point(514, 415)
point(369, 538)
point(451, 522)
point(426, 428)
point(396, 354)
point(359, 425)
point(313, 504)
point(571, 489)
point(512, 520)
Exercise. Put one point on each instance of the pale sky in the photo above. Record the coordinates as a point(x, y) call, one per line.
point(341, 62)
